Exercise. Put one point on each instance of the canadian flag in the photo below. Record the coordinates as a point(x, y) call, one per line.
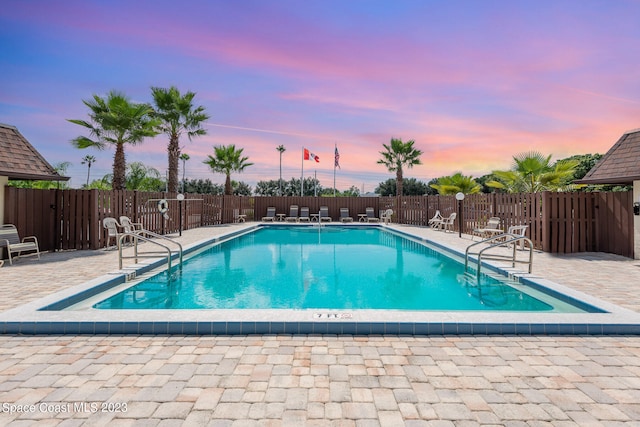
point(308, 155)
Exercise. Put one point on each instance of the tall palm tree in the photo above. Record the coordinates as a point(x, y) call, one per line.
point(177, 115)
point(281, 149)
point(184, 157)
point(457, 183)
point(88, 160)
point(227, 159)
point(396, 156)
point(115, 121)
point(532, 172)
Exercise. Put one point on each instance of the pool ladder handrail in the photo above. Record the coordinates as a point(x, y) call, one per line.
point(140, 235)
point(501, 240)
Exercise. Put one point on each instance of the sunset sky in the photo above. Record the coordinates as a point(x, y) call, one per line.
point(472, 82)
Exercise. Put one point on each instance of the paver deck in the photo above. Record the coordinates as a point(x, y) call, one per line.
point(320, 380)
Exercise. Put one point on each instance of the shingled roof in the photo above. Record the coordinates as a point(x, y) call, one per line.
point(621, 164)
point(19, 160)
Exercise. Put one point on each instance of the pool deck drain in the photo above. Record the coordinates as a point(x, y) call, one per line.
point(31, 319)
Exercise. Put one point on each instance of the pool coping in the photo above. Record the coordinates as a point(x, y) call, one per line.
point(31, 319)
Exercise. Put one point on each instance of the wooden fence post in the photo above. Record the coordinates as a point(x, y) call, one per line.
point(545, 220)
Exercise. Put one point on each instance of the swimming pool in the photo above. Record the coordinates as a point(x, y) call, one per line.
point(335, 267)
point(70, 311)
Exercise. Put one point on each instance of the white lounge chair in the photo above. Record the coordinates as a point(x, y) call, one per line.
point(10, 239)
point(344, 215)
point(293, 213)
point(490, 229)
point(271, 214)
point(436, 219)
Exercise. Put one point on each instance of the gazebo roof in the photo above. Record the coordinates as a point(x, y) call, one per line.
point(621, 164)
point(19, 160)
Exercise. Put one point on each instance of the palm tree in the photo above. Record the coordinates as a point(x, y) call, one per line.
point(115, 121)
point(457, 183)
point(184, 157)
point(532, 172)
point(143, 178)
point(227, 159)
point(281, 149)
point(88, 160)
point(399, 154)
point(177, 115)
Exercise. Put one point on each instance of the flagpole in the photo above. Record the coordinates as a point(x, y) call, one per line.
point(335, 146)
point(315, 183)
point(302, 175)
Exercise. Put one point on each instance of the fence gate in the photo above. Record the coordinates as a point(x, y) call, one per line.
point(588, 222)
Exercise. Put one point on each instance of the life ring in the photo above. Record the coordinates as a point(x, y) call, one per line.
point(163, 206)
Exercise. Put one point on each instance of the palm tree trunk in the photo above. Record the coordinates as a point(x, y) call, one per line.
point(227, 186)
point(174, 155)
point(399, 192)
point(119, 169)
point(280, 181)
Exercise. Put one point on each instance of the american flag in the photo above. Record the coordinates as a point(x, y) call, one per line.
point(337, 158)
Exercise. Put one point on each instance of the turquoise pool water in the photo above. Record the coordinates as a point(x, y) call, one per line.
point(327, 268)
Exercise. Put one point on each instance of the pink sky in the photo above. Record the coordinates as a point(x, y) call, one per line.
point(473, 83)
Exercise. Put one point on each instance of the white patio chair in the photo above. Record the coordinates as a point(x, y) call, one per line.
point(447, 224)
point(489, 230)
point(518, 231)
point(10, 239)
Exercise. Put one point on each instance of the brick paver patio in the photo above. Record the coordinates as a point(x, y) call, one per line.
point(319, 380)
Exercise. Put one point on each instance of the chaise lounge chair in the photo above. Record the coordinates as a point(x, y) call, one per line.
point(10, 239)
point(324, 214)
point(344, 215)
point(304, 215)
point(371, 215)
point(436, 219)
point(271, 214)
point(293, 213)
point(489, 230)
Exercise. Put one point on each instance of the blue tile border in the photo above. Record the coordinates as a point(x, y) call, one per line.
point(306, 328)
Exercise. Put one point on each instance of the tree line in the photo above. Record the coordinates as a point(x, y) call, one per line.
point(116, 121)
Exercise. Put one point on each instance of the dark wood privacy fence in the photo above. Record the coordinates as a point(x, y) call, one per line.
point(557, 222)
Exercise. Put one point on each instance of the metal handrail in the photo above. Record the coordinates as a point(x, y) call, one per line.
point(503, 240)
point(138, 235)
point(159, 236)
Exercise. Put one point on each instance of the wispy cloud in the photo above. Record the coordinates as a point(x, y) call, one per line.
point(472, 83)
